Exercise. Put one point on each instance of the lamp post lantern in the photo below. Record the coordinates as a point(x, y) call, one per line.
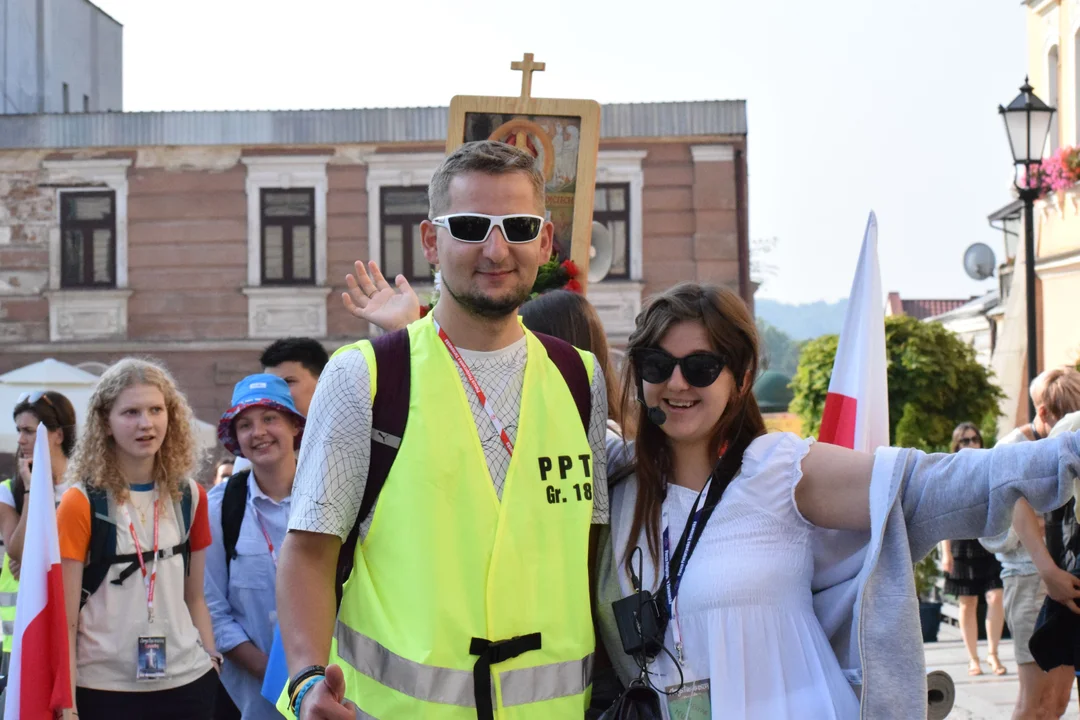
point(1027, 124)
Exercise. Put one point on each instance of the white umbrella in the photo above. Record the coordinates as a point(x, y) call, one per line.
point(75, 384)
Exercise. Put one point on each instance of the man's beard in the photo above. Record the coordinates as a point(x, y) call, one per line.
point(482, 306)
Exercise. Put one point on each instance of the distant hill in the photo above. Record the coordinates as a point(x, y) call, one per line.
point(802, 322)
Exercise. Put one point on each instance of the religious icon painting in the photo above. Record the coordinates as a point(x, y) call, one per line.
point(563, 136)
point(554, 142)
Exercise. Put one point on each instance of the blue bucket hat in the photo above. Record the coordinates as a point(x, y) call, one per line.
point(262, 390)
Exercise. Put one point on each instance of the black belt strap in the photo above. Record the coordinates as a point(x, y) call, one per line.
point(133, 558)
point(491, 653)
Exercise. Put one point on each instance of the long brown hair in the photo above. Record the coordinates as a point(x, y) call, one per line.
point(733, 336)
point(55, 412)
point(94, 461)
point(958, 433)
point(569, 316)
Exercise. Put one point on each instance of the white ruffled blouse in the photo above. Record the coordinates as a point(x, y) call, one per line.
point(744, 606)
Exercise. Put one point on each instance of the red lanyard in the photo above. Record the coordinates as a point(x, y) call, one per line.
point(476, 388)
point(151, 581)
point(266, 535)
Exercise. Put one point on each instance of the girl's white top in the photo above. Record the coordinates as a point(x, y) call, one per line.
point(744, 608)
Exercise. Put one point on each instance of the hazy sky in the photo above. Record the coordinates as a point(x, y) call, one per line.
point(853, 104)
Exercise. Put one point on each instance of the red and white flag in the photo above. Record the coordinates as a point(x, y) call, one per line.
point(857, 407)
point(39, 676)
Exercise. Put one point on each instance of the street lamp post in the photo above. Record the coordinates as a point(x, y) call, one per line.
point(1027, 124)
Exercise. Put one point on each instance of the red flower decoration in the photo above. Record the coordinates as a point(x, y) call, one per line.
point(570, 268)
point(573, 285)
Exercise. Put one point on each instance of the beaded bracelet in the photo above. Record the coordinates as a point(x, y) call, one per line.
point(311, 681)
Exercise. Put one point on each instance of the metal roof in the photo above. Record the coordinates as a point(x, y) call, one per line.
point(976, 306)
point(326, 127)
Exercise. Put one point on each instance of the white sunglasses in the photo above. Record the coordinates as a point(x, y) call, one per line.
point(475, 227)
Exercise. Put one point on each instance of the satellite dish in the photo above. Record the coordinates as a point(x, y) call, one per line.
point(979, 261)
point(601, 252)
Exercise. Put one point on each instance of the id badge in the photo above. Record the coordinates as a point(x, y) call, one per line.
point(151, 664)
point(692, 702)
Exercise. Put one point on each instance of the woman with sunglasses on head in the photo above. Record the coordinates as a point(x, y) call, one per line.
point(772, 612)
point(970, 571)
point(133, 535)
point(57, 414)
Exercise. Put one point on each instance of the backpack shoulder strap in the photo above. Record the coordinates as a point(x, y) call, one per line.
point(233, 505)
point(389, 415)
point(184, 514)
point(102, 542)
point(182, 508)
point(18, 494)
point(572, 367)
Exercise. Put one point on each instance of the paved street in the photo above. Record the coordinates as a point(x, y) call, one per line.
point(985, 697)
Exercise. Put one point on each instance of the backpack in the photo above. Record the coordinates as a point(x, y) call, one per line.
point(233, 505)
point(390, 413)
point(103, 530)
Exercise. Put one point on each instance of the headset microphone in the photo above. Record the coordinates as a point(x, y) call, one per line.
point(655, 414)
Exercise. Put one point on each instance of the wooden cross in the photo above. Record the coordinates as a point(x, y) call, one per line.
point(527, 68)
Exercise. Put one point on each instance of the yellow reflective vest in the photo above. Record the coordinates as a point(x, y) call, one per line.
point(447, 568)
point(9, 591)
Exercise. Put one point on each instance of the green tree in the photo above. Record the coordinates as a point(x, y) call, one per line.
point(781, 352)
point(935, 383)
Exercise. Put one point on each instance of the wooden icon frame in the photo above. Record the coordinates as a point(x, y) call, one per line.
point(587, 115)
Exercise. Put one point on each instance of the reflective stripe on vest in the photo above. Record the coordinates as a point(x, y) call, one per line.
point(9, 628)
point(7, 599)
point(455, 687)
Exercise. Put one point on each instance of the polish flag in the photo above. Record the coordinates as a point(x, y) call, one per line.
point(857, 407)
point(39, 677)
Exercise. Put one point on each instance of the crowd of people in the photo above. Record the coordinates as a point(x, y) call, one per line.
point(472, 516)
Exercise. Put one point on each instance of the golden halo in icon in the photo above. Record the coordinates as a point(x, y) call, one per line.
point(530, 137)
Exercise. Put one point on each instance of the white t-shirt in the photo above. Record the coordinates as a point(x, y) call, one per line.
point(744, 610)
point(7, 498)
point(115, 616)
point(336, 452)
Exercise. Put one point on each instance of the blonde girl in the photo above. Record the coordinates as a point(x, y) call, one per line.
point(142, 645)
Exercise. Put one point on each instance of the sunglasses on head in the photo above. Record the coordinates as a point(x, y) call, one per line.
point(700, 369)
point(475, 227)
point(33, 398)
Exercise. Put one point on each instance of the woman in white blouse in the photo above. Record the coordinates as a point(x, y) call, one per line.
point(748, 636)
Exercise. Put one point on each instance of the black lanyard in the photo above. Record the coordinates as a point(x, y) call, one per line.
point(695, 526)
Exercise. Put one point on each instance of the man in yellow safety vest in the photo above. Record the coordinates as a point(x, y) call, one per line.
point(469, 593)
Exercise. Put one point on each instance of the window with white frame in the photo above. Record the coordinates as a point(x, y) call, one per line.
point(88, 249)
point(611, 208)
point(286, 219)
point(398, 172)
point(401, 211)
point(620, 183)
point(286, 287)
